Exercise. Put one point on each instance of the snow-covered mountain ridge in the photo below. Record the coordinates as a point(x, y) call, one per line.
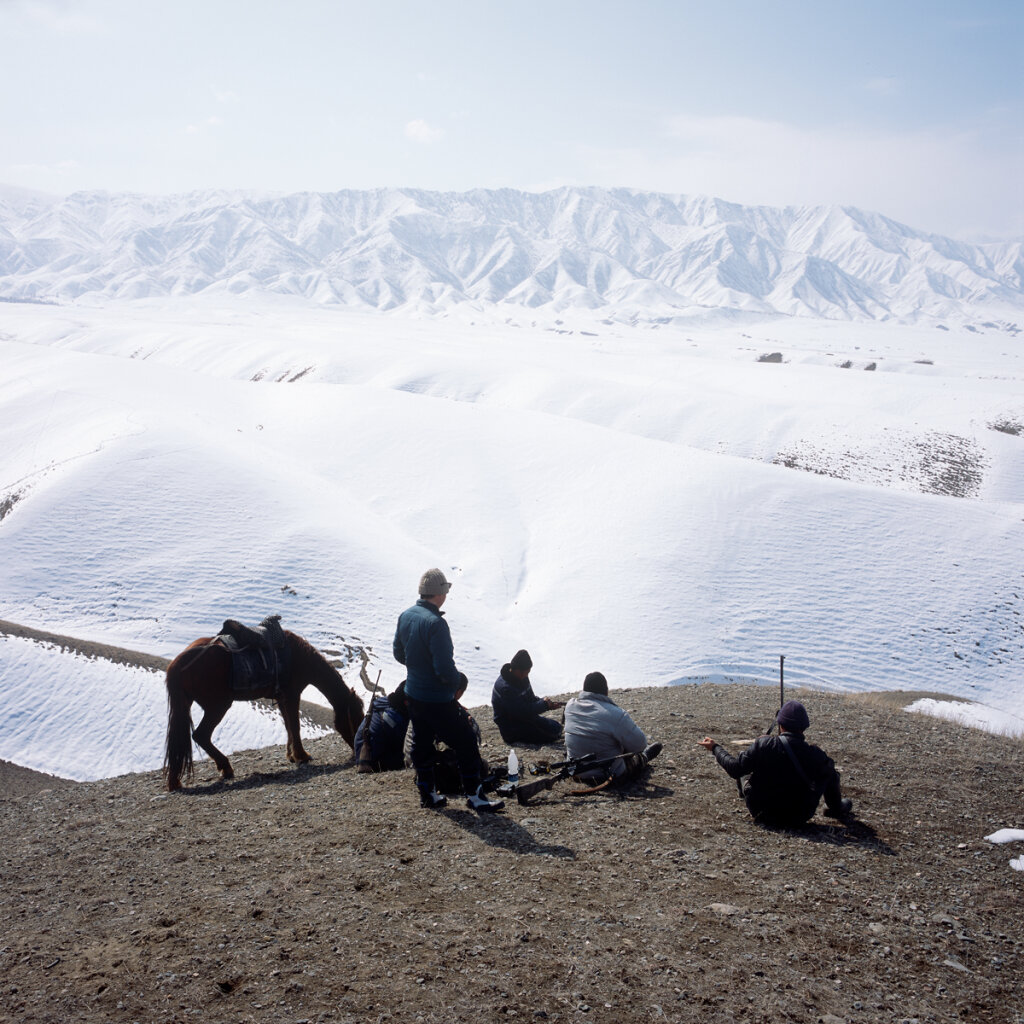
point(624, 253)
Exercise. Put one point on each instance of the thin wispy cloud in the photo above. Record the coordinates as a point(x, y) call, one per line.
point(58, 169)
point(884, 85)
point(422, 132)
point(208, 123)
point(57, 16)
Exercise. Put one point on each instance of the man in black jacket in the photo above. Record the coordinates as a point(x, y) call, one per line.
point(518, 711)
point(783, 777)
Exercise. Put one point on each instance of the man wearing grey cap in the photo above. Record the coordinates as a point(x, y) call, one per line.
point(423, 644)
point(783, 777)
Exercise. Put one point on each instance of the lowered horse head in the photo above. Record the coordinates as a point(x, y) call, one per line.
point(319, 672)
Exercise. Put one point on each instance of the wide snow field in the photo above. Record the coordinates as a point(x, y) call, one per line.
point(603, 496)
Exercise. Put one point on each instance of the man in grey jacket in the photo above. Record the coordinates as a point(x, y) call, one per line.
point(595, 724)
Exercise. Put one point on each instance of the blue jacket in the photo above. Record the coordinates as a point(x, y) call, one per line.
point(423, 644)
point(519, 712)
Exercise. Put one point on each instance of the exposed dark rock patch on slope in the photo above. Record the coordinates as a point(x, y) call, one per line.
point(933, 463)
point(319, 894)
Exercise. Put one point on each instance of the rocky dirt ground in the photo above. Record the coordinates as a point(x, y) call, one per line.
point(316, 894)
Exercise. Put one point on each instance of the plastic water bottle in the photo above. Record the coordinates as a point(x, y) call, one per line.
point(513, 768)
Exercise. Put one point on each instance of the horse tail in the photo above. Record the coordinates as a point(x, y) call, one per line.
point(178, 748)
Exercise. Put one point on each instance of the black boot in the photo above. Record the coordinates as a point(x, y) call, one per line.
point(843, 810)
point(478, 802)
point(431, 799)
point(429, 796)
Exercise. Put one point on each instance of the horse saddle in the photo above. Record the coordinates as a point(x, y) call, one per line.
point(258, 655)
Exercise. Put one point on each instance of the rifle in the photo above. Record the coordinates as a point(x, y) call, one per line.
point(552, 773)
point(363, 755)
point(782, 695)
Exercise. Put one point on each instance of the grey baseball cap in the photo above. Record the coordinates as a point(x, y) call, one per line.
point(433, 582)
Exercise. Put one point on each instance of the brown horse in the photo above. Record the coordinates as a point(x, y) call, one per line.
point(202, 674)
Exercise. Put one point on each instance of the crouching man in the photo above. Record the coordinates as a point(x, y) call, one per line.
point(783, 777)
point(595, 724)
point(447, 769)
point(518, 711)
point(380, 738)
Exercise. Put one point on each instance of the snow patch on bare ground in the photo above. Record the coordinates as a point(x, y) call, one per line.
point(1010, 835)
point(977, 716)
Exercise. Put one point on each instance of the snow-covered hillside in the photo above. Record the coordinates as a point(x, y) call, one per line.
point(90, 719)
point(632, 255)
point(659, 504)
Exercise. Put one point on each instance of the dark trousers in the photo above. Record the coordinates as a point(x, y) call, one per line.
point(634, 765)
point(533, 730)
point(448, 722)
point(797, 808)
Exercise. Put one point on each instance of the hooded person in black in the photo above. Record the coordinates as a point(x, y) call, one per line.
point(518, 711)
point(782, 778)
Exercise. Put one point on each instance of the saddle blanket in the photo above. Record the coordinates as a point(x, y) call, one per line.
point(258, 655)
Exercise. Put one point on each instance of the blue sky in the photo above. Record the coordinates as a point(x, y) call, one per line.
point(914, 108)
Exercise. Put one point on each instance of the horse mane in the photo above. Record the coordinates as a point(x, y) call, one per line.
point(303, 645)
point(303, 648)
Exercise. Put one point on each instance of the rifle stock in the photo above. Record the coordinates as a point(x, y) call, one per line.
point(526, 791)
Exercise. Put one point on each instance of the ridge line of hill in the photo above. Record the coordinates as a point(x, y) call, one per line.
point(620, 251)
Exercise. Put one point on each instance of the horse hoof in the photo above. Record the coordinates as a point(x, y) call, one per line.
point(226, 773)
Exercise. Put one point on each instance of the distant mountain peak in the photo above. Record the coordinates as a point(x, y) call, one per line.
point(625, 252)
